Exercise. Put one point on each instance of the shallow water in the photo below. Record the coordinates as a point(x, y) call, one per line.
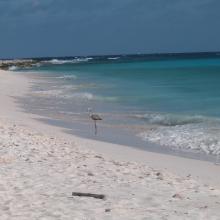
point(171, 102)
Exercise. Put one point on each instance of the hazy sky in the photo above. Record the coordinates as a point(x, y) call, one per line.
point(31, 28)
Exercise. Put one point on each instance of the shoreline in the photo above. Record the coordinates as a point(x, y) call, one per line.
point(65, 97)
point(187, 170)
point(172, 162)
point(12, 108)
point(131, 132)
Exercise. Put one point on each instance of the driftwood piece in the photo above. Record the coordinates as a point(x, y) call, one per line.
point(96, 196)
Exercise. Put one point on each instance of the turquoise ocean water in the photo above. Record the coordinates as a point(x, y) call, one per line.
point(172, 101)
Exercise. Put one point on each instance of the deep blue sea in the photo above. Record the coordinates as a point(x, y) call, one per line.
point(169, 100)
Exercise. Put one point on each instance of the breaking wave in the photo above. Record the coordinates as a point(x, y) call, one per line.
point(185, 133)
point(12, 68)
point(60, 61)
point(113, 58)
point(191, 138)
point(170, 119)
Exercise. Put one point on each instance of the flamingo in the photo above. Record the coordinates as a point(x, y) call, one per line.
point(95, 118)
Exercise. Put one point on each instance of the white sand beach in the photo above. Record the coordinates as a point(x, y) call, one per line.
point(41, 166)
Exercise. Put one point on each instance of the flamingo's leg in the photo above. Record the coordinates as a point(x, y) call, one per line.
point(95, 128)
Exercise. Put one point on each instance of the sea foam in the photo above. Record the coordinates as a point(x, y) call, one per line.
point(61, 93)
point(12, 68)
point(67, 77)
point(189, 137)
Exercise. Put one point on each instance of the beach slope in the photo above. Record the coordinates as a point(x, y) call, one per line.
point(40, 170)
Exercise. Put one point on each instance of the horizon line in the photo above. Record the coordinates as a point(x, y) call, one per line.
point(123, 54)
